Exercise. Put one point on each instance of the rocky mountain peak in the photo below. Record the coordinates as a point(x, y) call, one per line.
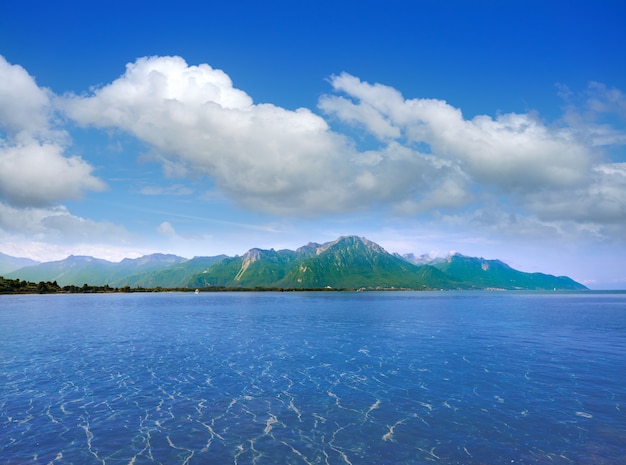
point(350, 242)
point(251, 256)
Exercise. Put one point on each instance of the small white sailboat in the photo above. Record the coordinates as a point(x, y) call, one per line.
point(197, 291)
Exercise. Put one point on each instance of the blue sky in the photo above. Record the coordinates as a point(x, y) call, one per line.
point(490, 128)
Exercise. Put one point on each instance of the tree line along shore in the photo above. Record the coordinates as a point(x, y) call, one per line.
point(16, 286)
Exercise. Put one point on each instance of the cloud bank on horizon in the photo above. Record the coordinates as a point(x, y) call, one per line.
point(365, 147)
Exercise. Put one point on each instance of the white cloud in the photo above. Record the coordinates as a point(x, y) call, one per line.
point(602, 201)
point(53, 233)
point(360, 113)
point(280, 161)
point(166, 229)
point(512, 160)
point(56, 224)
point(34, 171)
point(26, 221)
point(266, 157)
point(38, 174)
point(25, 108)
point(512, 152)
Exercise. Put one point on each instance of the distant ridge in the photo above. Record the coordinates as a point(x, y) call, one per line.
point(78, 270)
point(483, 273)
point(9, 263)
point(349, 262)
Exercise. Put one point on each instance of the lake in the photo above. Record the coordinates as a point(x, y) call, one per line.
point(313, 378)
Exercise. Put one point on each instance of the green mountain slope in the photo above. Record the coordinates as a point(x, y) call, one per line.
point(481, 273)
point(9, 263)
point(349, 262)
point(257, 267)
point(174, 276)
point(79, 270)
point(76, 270)
point(353, 262)
point(121, 273)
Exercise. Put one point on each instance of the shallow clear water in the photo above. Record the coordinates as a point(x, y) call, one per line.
point(317, 378)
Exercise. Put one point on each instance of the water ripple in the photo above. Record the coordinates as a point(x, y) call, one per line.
point(308, 379)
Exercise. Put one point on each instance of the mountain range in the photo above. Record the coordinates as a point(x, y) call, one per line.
point(350, 262)
point(9, 263)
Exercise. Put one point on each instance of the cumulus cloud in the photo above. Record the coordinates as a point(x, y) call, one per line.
point(25, 108)
point(281, 161)
point(550, 172)
point(512, 151)
point(266, 157)
point(34, 170)
point(39, 174)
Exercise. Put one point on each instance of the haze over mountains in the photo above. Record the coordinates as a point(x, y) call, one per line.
point(350, 262)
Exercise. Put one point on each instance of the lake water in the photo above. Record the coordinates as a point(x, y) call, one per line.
point(313, 378)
